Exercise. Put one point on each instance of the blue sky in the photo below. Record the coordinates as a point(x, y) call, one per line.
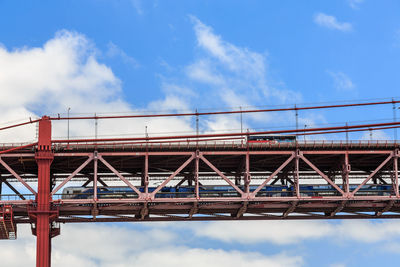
point(152, 56)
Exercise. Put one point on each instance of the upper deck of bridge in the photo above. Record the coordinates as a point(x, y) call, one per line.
point(231, 146)
point(220, 145)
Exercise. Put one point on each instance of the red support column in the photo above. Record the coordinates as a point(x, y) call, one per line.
point(44, 157)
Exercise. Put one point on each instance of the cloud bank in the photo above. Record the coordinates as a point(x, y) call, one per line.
point(104, 245)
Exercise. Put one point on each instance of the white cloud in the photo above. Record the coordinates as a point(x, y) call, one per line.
point(213, 257)
point(201, 71)
point(342, 81)
point(65, 73)
point(278, 232)
point(235, 58)
point(125, 245)
point(355, 3)
point(331, 22)
point(104, 245)
point(224, 123)
point(292, 232)
point(377, 230)
point(233, 77)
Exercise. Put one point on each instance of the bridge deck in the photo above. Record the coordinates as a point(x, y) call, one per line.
point(346, 167)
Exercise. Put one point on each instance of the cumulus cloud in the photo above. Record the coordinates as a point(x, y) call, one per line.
point(235, 58)
point(229, 76)
point(292, 232)
point(122, 245)
point(105, 245)
point(331, 22)
point(214, 257)
point(341, 81)
point(65, 73)
point(278, 232)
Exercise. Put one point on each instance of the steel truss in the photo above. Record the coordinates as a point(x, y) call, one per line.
point(49, 169)
point(246, 171)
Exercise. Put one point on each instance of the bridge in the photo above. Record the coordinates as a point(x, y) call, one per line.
point(193, 178)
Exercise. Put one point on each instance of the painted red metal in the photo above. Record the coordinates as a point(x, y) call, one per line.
point(8, 228)
point(226, 112)
point(247, 168)
point(295, 108)
point(44, 157)
point(322, 130)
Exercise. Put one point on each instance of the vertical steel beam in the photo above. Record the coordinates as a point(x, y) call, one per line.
point(247, 177)
point(237, 178)
point(196, 174)
point(95, 164)
point(240, 171)
point(44, 157)
point(296, 174)
point(146, 174)
point(345, 174)
point(396, 172)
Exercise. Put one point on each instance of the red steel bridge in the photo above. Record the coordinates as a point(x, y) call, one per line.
point(307, 179)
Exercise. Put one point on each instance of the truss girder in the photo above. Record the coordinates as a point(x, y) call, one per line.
point(347, 196)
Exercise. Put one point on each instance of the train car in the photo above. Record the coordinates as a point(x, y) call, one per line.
point(329, 190)
point(76, 192)
point(373, 190)
point(272, 191)
point(209, 191)
point(273, 139)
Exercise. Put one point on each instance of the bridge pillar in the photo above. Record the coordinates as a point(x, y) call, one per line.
point(44, 157)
